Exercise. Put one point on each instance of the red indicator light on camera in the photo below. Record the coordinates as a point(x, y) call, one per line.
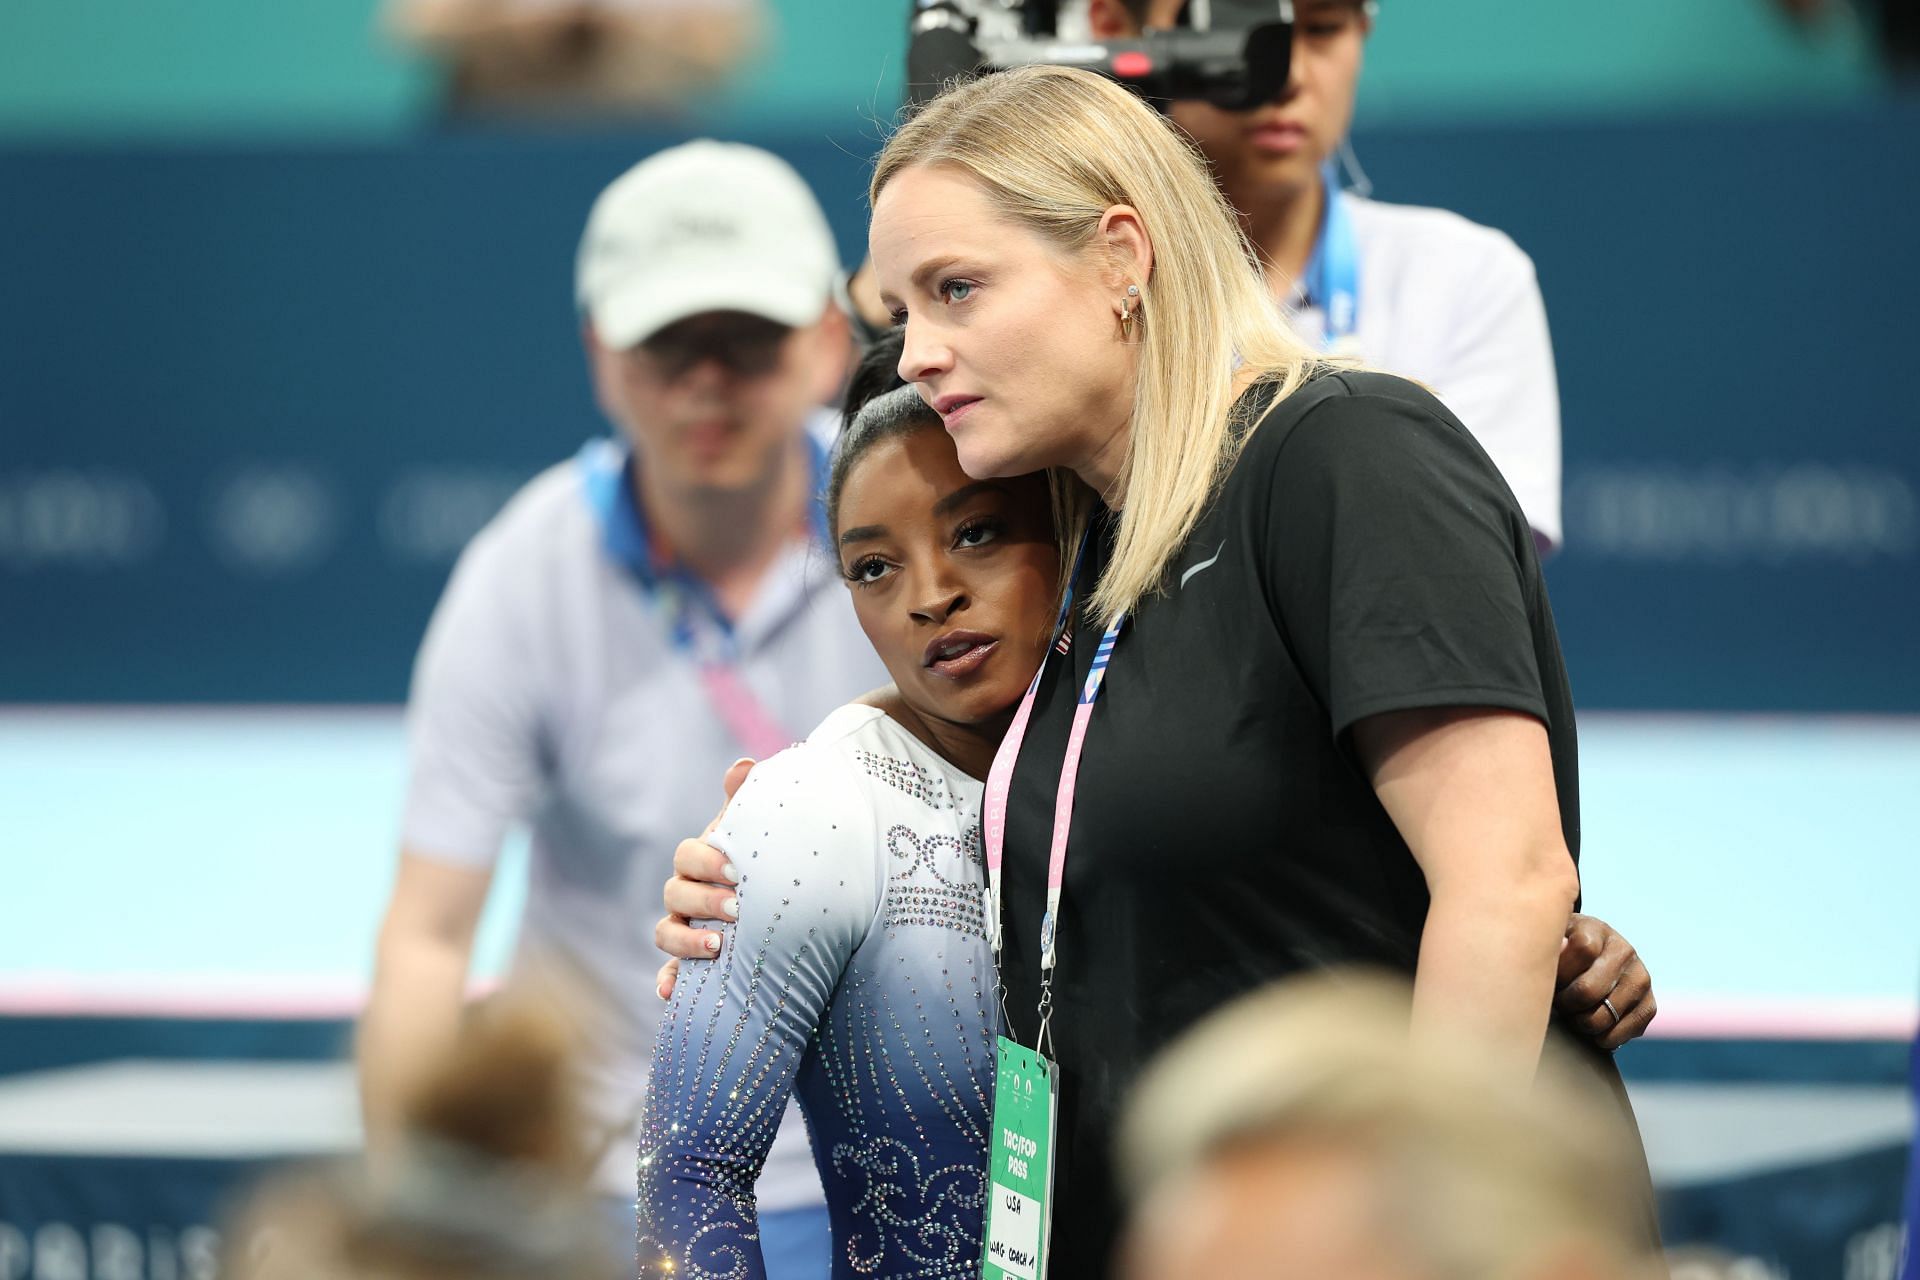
point(1132, 65)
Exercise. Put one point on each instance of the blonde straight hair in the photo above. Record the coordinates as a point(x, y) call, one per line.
point(1054, 148)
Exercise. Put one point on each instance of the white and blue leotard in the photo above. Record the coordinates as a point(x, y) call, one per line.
point(857, 977)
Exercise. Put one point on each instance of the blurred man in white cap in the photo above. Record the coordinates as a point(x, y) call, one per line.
point(667, 577)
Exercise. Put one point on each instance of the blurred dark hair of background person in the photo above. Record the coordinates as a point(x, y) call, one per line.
point(579, 57)
point(1298, 1133)
point(490, 1179)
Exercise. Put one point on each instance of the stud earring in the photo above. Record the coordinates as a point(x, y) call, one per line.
point(1126, 312)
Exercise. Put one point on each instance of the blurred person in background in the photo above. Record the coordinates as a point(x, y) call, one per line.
point(1297, 1133)
point(1422, 292)
point(487, 1178)
point(668, 578)
point(580, 57)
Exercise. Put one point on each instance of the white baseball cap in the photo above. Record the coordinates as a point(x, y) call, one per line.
point(706, 226)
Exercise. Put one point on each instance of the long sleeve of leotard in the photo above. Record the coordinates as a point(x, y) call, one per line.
point(801, 834)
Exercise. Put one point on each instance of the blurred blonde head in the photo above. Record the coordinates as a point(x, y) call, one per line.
point(490, 1184)
point(1054, 149)
point(1296, 1132)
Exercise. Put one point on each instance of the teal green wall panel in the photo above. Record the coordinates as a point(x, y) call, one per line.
point(1502, 57)
point(167, 67)
point(123, 68)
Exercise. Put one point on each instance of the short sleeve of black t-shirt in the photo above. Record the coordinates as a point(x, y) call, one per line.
point(1391, 557)
point(1362, 556)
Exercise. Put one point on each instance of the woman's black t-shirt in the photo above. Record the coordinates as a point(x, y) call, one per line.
point(1363, 556)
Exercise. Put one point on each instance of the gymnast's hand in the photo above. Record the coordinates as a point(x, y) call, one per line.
point(1605, 992)
point(701, 889)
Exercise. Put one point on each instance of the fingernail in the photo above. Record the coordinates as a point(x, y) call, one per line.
point(729, 872)
point(732, 907)
point(742, 760)
point(713, 942)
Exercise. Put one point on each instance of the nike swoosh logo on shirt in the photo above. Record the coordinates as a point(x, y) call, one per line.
point(1204, 564)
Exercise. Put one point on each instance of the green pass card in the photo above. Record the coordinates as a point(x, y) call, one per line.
point(1020, 1169)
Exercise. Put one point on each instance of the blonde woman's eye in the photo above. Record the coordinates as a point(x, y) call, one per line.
point(956, 290)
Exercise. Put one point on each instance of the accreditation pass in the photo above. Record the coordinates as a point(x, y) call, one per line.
point(1020, 1169)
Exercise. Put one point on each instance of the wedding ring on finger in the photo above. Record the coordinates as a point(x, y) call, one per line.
point(1608, 1001)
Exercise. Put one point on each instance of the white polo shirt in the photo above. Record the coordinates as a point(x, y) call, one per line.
point(1456, 305)
point(549, 691)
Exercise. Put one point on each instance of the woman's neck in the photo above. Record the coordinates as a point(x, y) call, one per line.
point(1105, 476)
point(1103, 470)
point(968, 748)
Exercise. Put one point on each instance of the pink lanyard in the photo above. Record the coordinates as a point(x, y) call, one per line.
point(713, 652)
point(696, 625)
point(751, 724)
point(1000, 779)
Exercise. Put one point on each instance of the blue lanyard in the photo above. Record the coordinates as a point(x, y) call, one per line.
point(698, 627)
point(1333, 272)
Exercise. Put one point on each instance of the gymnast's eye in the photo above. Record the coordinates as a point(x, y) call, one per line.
point(977, 533)
point(867, 570)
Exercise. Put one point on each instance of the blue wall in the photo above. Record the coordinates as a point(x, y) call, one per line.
point(252, 400)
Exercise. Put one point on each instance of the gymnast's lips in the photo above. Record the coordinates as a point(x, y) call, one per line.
point(959, 653)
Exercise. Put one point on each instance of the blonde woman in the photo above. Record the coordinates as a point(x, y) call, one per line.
point(1331, 678)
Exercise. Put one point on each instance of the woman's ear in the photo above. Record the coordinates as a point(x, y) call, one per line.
point(1128, 245)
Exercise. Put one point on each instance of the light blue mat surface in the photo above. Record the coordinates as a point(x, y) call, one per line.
point(1753, 860)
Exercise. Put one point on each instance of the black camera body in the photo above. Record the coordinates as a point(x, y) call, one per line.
point(1234, 54)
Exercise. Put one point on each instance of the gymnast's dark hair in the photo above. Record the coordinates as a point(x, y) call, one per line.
point(879, 406)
